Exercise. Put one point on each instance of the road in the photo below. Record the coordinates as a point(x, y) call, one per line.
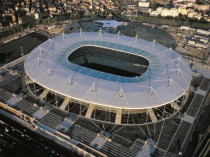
point(18, 141)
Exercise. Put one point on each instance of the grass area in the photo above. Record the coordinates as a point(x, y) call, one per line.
point(148, 33)
point(12, 50)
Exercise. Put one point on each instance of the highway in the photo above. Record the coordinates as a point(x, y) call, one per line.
point(18, 141)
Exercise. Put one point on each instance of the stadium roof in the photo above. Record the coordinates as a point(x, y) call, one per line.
point(166, 79)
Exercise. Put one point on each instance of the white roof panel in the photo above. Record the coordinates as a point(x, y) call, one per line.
point(51, 58)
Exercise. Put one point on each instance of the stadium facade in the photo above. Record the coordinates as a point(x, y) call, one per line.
point(109, 78)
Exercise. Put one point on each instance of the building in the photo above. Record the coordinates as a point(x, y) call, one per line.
point(154, 13)
point(202, 7)
point(179, 1)
point(191, 14)
point(144, 82)
point(184, 27)
point(173, 12)
point(201, 45)
point(111, 26)
point(164, 2)
point(203, 32)
point(144, 6)
point(182, 11)
point(144, 3)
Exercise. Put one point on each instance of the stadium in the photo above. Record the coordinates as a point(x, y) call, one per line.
point(109, 78)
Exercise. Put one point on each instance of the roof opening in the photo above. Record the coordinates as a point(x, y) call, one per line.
point(109, 61)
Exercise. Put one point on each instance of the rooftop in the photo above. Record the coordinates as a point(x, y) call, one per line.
point(166, 79)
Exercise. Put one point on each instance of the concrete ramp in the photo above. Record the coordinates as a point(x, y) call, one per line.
point(44, 94)
point(89, 111)
point(201, 92)
point(152, 115)
point(147, 149)
point(175, 106)
point(65, 125)
point(28, 81)
point(188, 118)
point(65, 103)
point(98, 142)
point(13, 101)
point(118, 116)
point(40, 113)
